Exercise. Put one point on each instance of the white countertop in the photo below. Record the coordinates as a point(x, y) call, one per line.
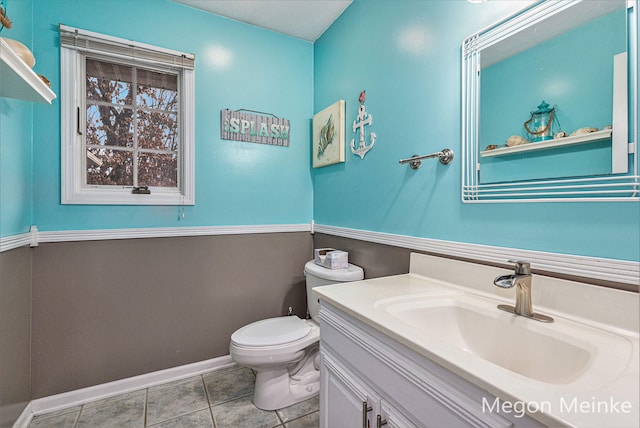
point(606, 394)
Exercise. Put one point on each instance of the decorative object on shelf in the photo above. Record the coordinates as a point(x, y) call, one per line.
point(362, 119)
point(44, 80)
point(583, 131)
point(591, 137)
point(560, 134)
point(327, 145)
point(542, 122)
point(516, 140)
point(254, 127)
point(5, 22)
point(21, 50)
point(492, 147)
point(445, 157)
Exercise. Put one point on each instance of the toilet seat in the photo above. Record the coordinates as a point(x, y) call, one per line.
point(284, 352)
point(271, 332)
point(272, 354)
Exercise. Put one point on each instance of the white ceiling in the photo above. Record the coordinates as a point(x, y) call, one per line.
point(304, 19)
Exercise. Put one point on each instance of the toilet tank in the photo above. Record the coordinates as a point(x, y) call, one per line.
point(318, 275)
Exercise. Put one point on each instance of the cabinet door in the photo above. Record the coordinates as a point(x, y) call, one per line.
point(342, 397)
point(393, 417)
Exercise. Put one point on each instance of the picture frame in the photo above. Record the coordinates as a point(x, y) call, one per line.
point(328, 133)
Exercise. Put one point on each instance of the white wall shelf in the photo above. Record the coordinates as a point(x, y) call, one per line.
point(592, 137)
point(19, 81)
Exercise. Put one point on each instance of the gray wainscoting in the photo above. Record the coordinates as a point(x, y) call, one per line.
point(108, 310)
point(376, 259)
point(15, 327)
point(78, 314)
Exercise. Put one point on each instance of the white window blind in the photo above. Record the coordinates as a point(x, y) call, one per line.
point(89, 42)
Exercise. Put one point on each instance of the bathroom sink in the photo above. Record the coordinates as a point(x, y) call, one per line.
point(556, 353)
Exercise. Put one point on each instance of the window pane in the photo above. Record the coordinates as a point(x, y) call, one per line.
point(109, 126)
point(109, 167)
point(157, 90)
point(158, 169)
point(108, 82)
point(157, 131)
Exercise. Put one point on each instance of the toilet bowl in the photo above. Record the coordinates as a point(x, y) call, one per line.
point(284, 351)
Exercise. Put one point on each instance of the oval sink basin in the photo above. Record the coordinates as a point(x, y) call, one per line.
point(557, 353)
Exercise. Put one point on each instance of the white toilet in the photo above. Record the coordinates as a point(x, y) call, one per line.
point(283, 351)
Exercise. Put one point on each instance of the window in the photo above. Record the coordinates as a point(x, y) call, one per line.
point(127, 122)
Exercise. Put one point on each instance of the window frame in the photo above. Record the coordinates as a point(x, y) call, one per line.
point(74, 189)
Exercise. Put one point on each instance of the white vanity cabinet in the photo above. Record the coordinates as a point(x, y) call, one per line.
point(370, 380)
point(347, 400)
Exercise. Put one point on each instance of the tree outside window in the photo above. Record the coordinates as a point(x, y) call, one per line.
point(131, 143)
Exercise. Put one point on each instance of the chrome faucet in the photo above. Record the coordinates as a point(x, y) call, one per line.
point(521, 280)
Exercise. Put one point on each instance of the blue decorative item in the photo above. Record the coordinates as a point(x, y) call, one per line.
point(540, 125)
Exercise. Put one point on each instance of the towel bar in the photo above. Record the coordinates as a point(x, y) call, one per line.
point(445, 156)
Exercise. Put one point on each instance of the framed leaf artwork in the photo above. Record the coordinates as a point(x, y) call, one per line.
point(328, 135)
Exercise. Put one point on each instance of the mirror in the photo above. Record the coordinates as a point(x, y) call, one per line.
point(573, 56)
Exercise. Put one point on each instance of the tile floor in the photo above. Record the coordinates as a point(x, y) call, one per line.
point(218, 399)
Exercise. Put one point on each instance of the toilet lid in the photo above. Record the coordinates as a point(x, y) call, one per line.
point(272, 331)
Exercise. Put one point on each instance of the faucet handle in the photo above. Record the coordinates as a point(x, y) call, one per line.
point(521, 268)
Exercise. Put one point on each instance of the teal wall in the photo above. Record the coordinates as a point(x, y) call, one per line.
point(407, 54)
point(237, 66)
point(15, 139)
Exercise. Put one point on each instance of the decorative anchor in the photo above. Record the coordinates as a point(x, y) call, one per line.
point(362, 119)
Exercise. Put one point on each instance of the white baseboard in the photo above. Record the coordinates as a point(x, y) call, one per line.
point(106, 390)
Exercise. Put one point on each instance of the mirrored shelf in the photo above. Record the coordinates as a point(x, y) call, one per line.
point(592, 137)
point(19, 81)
